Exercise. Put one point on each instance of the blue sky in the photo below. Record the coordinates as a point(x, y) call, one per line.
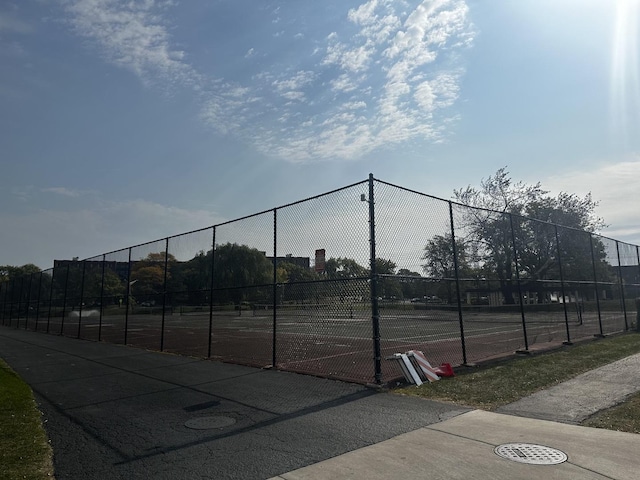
point(126, 121)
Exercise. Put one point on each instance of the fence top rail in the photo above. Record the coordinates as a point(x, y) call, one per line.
point(523, 217)
point(237, 219)
point(362, 182)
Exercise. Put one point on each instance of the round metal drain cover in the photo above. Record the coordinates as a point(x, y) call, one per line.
point(207, 423)
point(530, 453)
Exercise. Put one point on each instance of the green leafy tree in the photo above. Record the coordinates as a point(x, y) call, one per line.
point(388, 285)
point(341, 268)
point(148, 276)
point(20, 283)
point(11, 272)
point(191, 281)
point(241, 266)
point(440, 264)
point(486, 229)
point(288, 272)
point(93, 290)
point(439, 257)
point(410, 283)
point(294, 282)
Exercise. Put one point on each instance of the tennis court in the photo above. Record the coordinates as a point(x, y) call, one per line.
point(332, 340)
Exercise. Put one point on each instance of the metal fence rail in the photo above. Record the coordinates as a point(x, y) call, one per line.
point(403, 271)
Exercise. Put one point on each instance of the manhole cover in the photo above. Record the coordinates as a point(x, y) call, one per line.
point(206, 423)
point(530, 453)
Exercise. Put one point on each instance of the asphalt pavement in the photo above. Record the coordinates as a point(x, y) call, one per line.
point(113, 411)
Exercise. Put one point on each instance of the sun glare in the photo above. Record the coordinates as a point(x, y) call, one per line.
point(625, 78)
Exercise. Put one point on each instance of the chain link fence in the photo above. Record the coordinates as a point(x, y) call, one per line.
point(334, 284)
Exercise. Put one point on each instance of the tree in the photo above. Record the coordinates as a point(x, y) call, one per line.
point(340, 268)
point(149, 275)
point(440, 259)
point(540, 255)
point(191, 280)
point(441, 265)
point(294, 282)
point(388, 286)
point(291, 273)
point(241, 266)
point(11, 272)
point(499, 204)
point(410, 283)
point(93, 288)
point(347, 268)
point(24, 282)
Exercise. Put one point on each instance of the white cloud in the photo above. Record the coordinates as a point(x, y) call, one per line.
point(293, 95)
point(615, 186)
point(349, 59)
point(132, 35)
point(405, 106)
point(354, 105)
point(343, 83)
point(66, 192)
point(364, 14)
point(425, 96)
point(294, 83)
point(398, 58)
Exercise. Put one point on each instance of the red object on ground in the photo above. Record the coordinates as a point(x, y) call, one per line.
point(445, 370)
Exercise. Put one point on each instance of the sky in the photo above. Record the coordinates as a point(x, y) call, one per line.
point(127, 121)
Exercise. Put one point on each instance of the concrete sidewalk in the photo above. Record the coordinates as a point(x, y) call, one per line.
point(576, 400)
point(116, 412)
point(119, 412)
point(463, 448)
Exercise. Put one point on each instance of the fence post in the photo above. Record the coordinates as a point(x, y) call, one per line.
point(595, 283)
point(26, 317)
point(375, 311)
point(20, 300)
point(5, 302)
point(3, 291)
point(564, 297)
point(517, 268)
point(104, 261)
point(38, 301)
point(126, 307)
point(624, 303)
point(64, 299)
point(53, 276)
point(12, 282)
point(457, 276)
point(211, 285)
point(84, 268)
point(275, 287)
point(164, 291)
point(638, 296)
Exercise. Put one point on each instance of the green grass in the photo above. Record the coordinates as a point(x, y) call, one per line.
point(24, 448)
point(489, 387)
point(624, 417)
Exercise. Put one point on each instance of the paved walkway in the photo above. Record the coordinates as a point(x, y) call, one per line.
point(119, 412)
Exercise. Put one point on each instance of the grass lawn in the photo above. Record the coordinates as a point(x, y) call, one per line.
point(624, 417)
point(491, 386)
point(24, 448)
